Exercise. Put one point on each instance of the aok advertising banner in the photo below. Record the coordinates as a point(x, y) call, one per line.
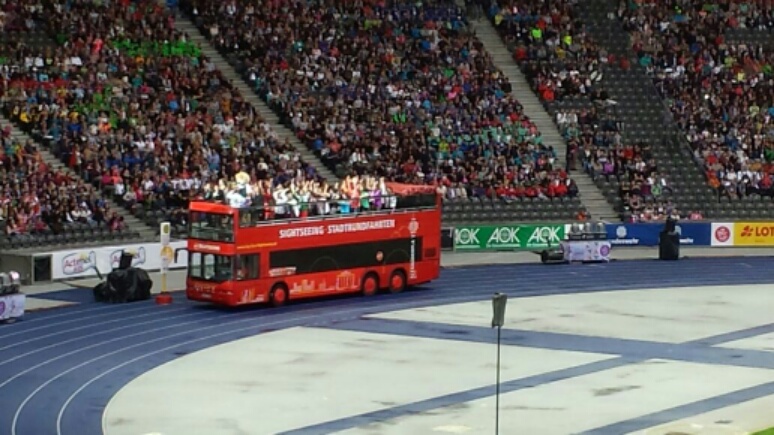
point(507, 237)
point(85, 262)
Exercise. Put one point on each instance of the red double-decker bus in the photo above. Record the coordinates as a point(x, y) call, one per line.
point(237, 256)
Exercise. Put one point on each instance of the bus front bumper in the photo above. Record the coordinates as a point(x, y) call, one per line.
point(215, 297)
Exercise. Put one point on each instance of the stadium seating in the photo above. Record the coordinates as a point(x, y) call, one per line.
point(40, 204)
point(414, 97)
point(582, 66)
point(712, 66)
point(148, 119)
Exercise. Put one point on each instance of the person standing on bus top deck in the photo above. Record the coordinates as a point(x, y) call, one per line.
point(391, 200)
point(323, 195)
point(376, 195)
point(342, 196)
point(365, 195)
point(354, 193)
point(280, 197)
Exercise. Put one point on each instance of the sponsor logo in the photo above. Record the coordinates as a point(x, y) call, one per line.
point(722, 234)
point(757, 231)
point(199, 288)
point(282, 271)
point(508, 237)
point(206, 247)
point(467, 236)
point(504, 236)
point(625, 242)
point(413, 227)
point(753, 234)
point(621, 232)
point(138, 257)
point(604, 251)
point(79, 262)
point(2, 309)
point(544, 236)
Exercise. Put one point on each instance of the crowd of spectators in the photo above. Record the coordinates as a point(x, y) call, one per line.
point(299, 199)
point(551, 45)
point(37, 200)
point(719, 92)
point(398, 89)
point(20, 16)
point(561, 60)
point(132, 106)
point(597, 142)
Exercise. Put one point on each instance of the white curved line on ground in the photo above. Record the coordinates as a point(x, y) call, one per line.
point(337, 315)
point(450, 297)
point(41, 349)
point(13, 334)
point(65, 331)
point(91, 346)
point(29, 397)
point(54, 316)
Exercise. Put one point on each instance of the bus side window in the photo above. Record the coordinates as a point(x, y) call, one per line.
point(248, 267)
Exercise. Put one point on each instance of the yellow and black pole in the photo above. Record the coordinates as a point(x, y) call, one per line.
point(167, 257)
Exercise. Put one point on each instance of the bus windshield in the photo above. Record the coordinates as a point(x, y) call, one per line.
point(210, 267)
point(211, 226)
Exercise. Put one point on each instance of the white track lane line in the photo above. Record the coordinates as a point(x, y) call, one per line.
point(121, 319)
point(51, 325)
point(41, 349)
point(71, 312)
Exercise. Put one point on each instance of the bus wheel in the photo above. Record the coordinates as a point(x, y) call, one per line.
point(279, 295)
point(370, 285)
point(397, 281)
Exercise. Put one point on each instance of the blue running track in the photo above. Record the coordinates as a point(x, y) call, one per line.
point(59, 368)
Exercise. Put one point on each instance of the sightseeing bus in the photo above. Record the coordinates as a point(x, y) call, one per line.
point(238, 256)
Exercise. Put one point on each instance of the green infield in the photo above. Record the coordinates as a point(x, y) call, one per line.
point(769, 431)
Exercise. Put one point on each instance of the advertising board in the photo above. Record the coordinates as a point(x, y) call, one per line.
point(507, 237)
point(85, 262)
point(647, 234)
point(722, 234)
point(753, 234)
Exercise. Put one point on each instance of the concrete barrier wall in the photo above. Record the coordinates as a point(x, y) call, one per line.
point(19, 263)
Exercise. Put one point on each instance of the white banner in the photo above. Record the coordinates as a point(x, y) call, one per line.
point(12, 306)
point(586, 250)
point(85, 262)
point(722, 234)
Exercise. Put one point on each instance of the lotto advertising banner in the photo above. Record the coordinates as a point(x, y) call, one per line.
point(691, 234)
point(86, 262)
point(753, 234)
point(507, 237)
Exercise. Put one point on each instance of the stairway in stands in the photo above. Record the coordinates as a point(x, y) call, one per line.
point(646, 119)
point(183, 24)
point(591, 197)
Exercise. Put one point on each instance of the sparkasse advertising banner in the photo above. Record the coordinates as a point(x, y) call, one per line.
point(507, 237)
point(753, 234)
point(647, 234)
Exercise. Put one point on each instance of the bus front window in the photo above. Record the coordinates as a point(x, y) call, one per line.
point(210, 267)
point(211, 226)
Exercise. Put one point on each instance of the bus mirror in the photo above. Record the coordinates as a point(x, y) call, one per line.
point(177, 251)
